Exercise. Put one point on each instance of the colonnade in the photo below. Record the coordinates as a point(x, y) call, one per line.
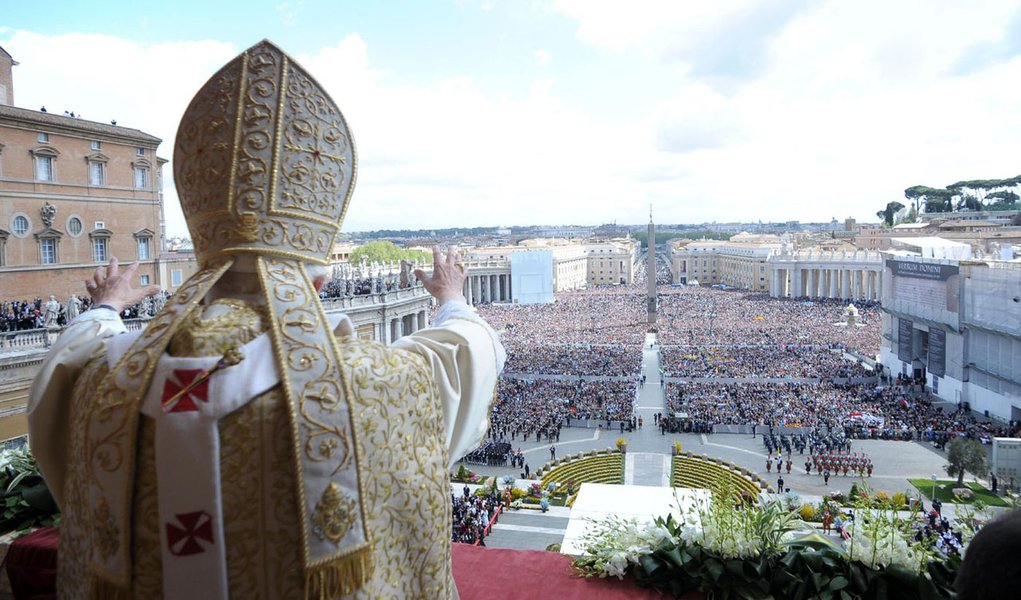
point(401, 325)
point(493, 287)
point(823, 282)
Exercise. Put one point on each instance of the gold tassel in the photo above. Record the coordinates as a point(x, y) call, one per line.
point(339, 577)
point(102, 589)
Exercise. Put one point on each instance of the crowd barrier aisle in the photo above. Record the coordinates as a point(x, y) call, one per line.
point(489, 527)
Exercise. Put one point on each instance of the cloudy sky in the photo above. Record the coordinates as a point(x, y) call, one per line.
point(490, 112)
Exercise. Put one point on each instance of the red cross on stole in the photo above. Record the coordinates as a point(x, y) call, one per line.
point(185, 379)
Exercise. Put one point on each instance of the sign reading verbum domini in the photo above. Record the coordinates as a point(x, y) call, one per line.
point(919, 270)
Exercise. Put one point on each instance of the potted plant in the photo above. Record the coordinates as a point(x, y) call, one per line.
point(27, 501)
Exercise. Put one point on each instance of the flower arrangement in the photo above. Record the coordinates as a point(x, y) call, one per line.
point(677, 447)
point(757, 551)
point(27, 502)
point(463, 475)
point(621, 444)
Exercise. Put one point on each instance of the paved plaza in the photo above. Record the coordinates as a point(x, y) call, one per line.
point(648, 463)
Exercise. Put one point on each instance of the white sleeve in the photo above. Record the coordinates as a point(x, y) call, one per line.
point(466, 356)
point(50, 396)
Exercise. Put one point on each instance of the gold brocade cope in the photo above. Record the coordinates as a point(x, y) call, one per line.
point(112, 431)
point(207, 336)
point(264, 166)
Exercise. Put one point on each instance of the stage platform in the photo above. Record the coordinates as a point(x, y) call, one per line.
point(597, 501)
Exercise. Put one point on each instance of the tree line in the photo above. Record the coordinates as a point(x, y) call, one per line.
point(973, 194)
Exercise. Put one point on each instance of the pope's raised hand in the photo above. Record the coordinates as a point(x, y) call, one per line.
point(111, 286)
point(446, 281)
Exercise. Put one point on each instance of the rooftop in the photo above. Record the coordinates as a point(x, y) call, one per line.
point(55, 122)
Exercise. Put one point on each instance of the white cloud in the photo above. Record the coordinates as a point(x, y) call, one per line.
point(288, 11)
point(832, 113)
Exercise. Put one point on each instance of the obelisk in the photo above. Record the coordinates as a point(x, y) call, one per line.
point(650, 271)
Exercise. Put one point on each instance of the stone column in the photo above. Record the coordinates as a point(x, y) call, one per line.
point(476, 289)
point(422, 320)
point(796, 284)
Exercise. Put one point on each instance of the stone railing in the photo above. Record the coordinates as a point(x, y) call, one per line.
point(35, 339)
point(393, 297)
point(40, 339)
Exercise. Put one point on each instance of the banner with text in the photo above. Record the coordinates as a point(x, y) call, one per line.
point(905, 330)
point(937, 352)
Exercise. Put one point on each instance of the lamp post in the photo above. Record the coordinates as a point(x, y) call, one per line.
point(934, 487)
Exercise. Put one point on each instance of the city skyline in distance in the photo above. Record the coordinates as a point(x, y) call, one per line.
point(479, 113)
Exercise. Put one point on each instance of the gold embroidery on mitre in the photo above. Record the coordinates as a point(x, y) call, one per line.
point(264, 161)
point(334, 514)
point(248, 227)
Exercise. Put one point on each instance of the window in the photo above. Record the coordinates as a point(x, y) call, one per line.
point(99, 249)
point(143, 248)
point(44, 168)
point(100, 244)
point(96, 145)
point(74, 226)
point(143, 244)
point(48, 251)
point(143, 280)
point(97, 173)
point(100, 225)
point(3, 247)
point(49, 246)
point(139, 151)
point(43, 138)
point(141, 178)
point(20, 225)
point(176, 277)
point(45, 159)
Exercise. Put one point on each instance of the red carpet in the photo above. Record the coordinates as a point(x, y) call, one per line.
point(481, 574)
point(496, 574)
point(32, 565)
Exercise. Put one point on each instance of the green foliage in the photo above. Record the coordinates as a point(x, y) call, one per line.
point(945, 492)
point(27, 501)
point(384, 252)
point(889, 212)
point(966, 456)
point(930, 199)
point(974, 194)
point(1003, 200)
point(663, 237)
point(808, 567)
